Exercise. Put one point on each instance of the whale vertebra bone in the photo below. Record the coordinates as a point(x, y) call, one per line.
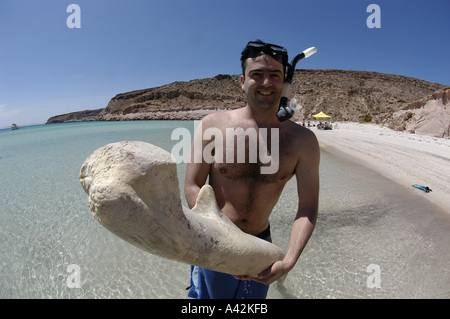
point(134, 192)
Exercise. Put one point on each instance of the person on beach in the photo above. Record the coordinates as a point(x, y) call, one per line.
point(245, 194)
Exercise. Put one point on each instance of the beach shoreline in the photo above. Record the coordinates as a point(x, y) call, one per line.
point(402, 157)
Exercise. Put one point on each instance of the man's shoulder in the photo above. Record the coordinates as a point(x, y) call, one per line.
point(297, 129)
point(301, 135)
point(214, 119)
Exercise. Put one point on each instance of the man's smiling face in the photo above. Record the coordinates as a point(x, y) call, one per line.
point(263, 82)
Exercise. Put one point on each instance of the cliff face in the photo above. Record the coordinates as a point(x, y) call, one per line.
point(356, 95)
point(429, 116)
point(81, 116)
point(345, 95)
point(178, 100)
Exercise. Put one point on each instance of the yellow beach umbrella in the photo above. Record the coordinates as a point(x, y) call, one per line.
point(321, 115)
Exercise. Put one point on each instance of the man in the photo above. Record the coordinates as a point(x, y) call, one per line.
point(243, 192)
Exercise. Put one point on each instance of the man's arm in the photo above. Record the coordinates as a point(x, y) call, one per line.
point(307, 174)
point(196, 173)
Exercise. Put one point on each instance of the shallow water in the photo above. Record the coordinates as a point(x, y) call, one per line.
point(367, 221)
point(46, 225)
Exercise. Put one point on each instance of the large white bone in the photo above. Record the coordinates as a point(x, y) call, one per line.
point(134, 192)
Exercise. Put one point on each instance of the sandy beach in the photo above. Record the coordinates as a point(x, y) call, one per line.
point(403, 157)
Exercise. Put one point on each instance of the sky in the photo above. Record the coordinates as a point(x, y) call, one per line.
point(53, 63)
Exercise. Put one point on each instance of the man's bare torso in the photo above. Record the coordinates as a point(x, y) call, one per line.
point(243, 193)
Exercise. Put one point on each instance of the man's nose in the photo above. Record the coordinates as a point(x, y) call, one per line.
point(266, 79)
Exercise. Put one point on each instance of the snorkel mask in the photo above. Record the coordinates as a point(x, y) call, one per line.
point(256, 48)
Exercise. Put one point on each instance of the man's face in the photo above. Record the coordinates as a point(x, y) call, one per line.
point(263, 82)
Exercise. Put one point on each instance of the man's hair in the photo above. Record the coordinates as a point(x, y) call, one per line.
point(249, 53)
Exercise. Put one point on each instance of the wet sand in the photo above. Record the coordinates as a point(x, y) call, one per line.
point(403, 157)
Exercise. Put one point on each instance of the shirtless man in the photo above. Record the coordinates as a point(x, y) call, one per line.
point(243, 193)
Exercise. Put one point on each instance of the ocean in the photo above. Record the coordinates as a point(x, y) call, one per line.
point(373, 239)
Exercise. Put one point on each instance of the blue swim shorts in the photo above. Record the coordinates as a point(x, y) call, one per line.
point(209, 284)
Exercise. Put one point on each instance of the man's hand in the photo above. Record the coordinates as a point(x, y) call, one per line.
point(278, 270)
point(270, 275)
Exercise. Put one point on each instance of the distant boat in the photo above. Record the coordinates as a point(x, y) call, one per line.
point(14, 126)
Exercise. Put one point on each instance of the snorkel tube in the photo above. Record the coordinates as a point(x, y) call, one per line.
point(285, 112)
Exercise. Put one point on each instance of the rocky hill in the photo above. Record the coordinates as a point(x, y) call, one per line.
point(429, 116)
point(345, 95)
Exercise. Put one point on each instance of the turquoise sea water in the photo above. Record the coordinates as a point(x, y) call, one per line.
point(373, 238)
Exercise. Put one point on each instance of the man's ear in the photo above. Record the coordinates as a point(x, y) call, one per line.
point(242, 83)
